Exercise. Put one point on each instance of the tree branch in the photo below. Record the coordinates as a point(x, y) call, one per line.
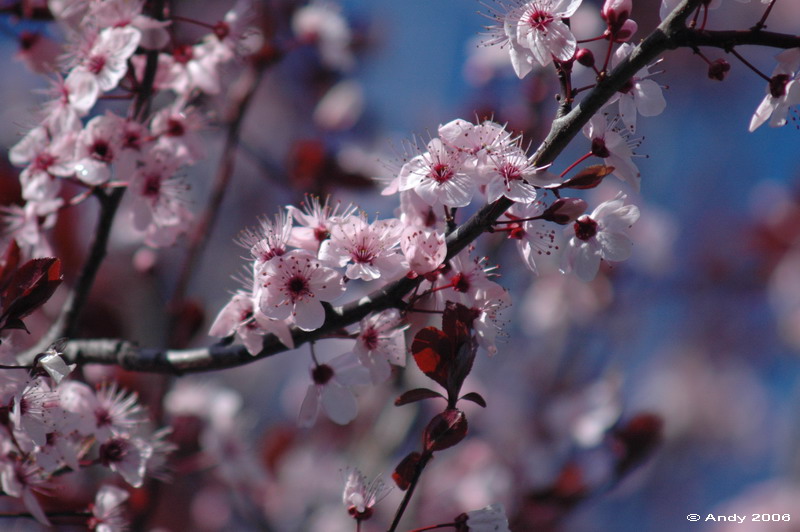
point(671, 34)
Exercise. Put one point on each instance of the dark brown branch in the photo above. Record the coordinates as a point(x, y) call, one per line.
point(671, 34)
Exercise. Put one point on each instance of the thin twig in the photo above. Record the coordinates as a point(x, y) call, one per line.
point(246, 88)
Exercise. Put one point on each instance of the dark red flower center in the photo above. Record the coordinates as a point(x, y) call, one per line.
point(585, 228)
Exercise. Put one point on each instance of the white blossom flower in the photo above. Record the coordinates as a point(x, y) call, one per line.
point(107, 512)
point(370, 251)
point(600, 235)
point(438, 176)
point(295, 284)
point(360, 496)
point(331, 390)
point(783, 91)
point(640, 95)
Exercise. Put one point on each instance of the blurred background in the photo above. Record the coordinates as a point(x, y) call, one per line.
point(680, 364)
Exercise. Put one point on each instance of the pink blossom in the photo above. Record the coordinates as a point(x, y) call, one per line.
point(438, 176)
point(489, 519)
point(241, 317)
point(424, 250)
point(158, 196)
point(107, 55)
point(360, 496)
point(507, 174)
point(126, 456)
point(316, 220)
point(381, 343)
point(601, 235)
point(614, 148)
point(295, 285)
point(21, 479)
point(331, 390)
point(177, 128)
point(369, 250)
point(536, 33)
point(107, 512)
point(640, 95)
point(783, 91)
point(321, 23)
point(537, 240)
point(97, 147)
point(269, 240)
point(116, 412)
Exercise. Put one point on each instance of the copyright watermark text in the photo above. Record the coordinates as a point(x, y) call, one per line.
point(739, 518)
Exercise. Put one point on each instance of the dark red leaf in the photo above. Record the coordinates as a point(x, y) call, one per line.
point(417, 394)
point(445, 430)
point(403, 474)
point(31, 286)
point(433, 352)
point(476, 398)
point(589, 177)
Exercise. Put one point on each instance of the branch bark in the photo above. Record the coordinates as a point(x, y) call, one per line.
point(672, 33)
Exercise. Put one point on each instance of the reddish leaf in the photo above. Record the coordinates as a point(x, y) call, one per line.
point(445, 430)
point(589, 177)
point(31, 286)
point(417, 394)
point(403, 474)
point(476, 398)
point(432, 352)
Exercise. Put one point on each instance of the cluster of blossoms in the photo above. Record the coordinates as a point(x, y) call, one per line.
point(55, 425)
point(106, 59)
point(303, 259)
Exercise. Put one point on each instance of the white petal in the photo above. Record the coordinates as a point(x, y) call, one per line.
point(339, 404)
point(310, 407)
point(309, 314)
point(615, 246)
point(649, 98)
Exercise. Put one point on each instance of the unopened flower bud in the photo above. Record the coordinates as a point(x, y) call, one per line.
point(564, 210)
point(718, 69)
point(615, 13)
point(585, 57)
point(626, 31)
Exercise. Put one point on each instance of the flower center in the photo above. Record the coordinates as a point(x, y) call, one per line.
point(322, 374)
point(777, 85)
point(370, 339)
point(96, 64)
point(539, 20)
point(43, 161)
point(510, 172)
point(599, 148)
point(113, 451)
point(152, 186)
point(461, 283)
point(585, 228)
point(441, 173)
point(298, 287)
point(183, 54)
point(175, 128)
point(101, 151)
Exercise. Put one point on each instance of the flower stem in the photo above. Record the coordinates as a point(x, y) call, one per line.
point(426, 456)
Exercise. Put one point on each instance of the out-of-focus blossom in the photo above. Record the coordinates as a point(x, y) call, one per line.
point(341, 107)
point(107, 511)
